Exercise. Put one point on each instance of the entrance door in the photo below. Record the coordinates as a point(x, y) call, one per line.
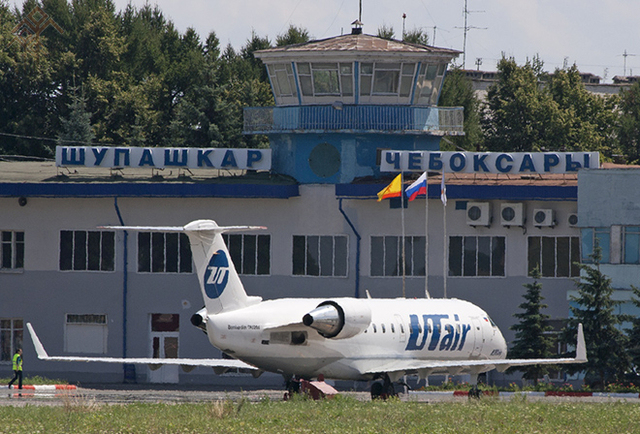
point(478, 337)
point(164, 340)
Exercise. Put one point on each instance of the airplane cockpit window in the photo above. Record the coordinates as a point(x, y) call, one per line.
point(491, 321)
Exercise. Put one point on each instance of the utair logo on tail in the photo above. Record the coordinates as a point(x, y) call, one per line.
point(216, 275)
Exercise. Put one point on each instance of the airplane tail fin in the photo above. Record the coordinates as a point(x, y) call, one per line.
point(220, 284)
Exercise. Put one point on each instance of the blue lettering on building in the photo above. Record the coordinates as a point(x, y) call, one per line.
point(229, 159)
point(146, 159)
point(442, 335)
point(216, 275)
point(253, 157)
point(527, 164)
point(176, 157)
point(393, 158)
point(99, 154)
point(73, 156)
point(116, 157)
point(435, 163)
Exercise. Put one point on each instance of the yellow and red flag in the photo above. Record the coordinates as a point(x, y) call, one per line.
point(392, 190)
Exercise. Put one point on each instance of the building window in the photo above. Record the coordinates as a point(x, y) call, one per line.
point(87, 250)
point(85, 333)
point(10, 337)
point(164, 252)
point(282, 80)
point(631, 244)
point(386, 256)
point(390, 79)
point(429, 82)
point(591, 236)
point(251, 254)
point(12, 252)
point(326, 79)
point(476, 256)
point(320, 255)
point(554, 256)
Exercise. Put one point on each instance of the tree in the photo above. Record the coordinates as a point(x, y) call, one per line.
point(294, 35)
point(531, 341)
point(586, 120)
point(77, 127)
point(457, 91)
point(633, 347)
point(595, 309)
point(416, 36)
point(518, 116)
point(628, 130)
point(386, 32)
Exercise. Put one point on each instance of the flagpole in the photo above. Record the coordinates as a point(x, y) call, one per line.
point(443, 197)
point(403, 241)
point(426, 238)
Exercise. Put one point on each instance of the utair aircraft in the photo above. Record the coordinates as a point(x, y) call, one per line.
point(339, 338)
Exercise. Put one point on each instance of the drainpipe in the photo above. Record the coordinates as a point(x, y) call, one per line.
point(128, 368)
point(358, 238)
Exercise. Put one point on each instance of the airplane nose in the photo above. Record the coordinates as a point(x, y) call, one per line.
point(500, 343)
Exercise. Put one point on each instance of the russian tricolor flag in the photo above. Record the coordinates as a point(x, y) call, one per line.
point(418, 187)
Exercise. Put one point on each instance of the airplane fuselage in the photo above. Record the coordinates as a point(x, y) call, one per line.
point(271, 336)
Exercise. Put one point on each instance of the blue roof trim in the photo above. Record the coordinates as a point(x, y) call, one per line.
point(9, 189)
point(487, 192)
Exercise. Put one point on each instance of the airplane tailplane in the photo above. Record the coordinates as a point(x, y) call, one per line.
point(220, 284)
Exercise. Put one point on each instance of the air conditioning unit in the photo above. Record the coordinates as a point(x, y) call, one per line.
point(478, 213)
point(572, 220)
point(512, 214)
point(544, 217)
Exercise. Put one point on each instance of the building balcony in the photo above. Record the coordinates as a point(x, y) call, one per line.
point(339, 118)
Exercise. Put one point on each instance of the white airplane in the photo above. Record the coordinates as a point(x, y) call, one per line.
point(339, 338)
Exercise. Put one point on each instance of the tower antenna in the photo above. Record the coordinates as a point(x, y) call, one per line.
point(466, 28)
point(625, 55)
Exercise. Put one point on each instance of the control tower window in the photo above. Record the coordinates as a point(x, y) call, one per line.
point(282, 80)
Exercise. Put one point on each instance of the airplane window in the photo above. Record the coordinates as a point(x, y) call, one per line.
point(375, 330)
point(393, 329)
point(384, 330)
point(401, 328)
point(419, 328)
point(492, 323)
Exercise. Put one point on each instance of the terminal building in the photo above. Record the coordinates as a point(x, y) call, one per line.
point(341, 105)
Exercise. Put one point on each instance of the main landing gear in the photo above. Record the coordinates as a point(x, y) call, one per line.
point(384, 389)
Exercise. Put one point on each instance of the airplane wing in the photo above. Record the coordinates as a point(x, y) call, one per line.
point(398, 367)
point(213, 363)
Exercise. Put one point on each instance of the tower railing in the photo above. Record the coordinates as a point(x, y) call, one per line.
point(354, 118)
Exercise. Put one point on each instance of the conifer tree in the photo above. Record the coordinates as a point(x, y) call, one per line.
point(531, 341)
point(633, 347)
point(76, 129)
point(595, 309)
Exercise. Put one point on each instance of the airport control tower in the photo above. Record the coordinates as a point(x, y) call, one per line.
point(340, 101)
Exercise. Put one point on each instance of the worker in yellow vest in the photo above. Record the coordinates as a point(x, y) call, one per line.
point(17, 368)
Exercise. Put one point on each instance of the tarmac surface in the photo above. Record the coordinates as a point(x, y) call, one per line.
point(173, 394)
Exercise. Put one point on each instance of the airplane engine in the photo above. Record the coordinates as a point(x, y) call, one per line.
point(199, 319)
point(339, 320)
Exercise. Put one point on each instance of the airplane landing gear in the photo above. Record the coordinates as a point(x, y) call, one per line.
point(383, 390)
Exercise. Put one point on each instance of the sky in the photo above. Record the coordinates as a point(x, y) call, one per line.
point(592, 34)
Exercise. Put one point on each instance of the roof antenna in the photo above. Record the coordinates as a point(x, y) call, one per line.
point(357, 24)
